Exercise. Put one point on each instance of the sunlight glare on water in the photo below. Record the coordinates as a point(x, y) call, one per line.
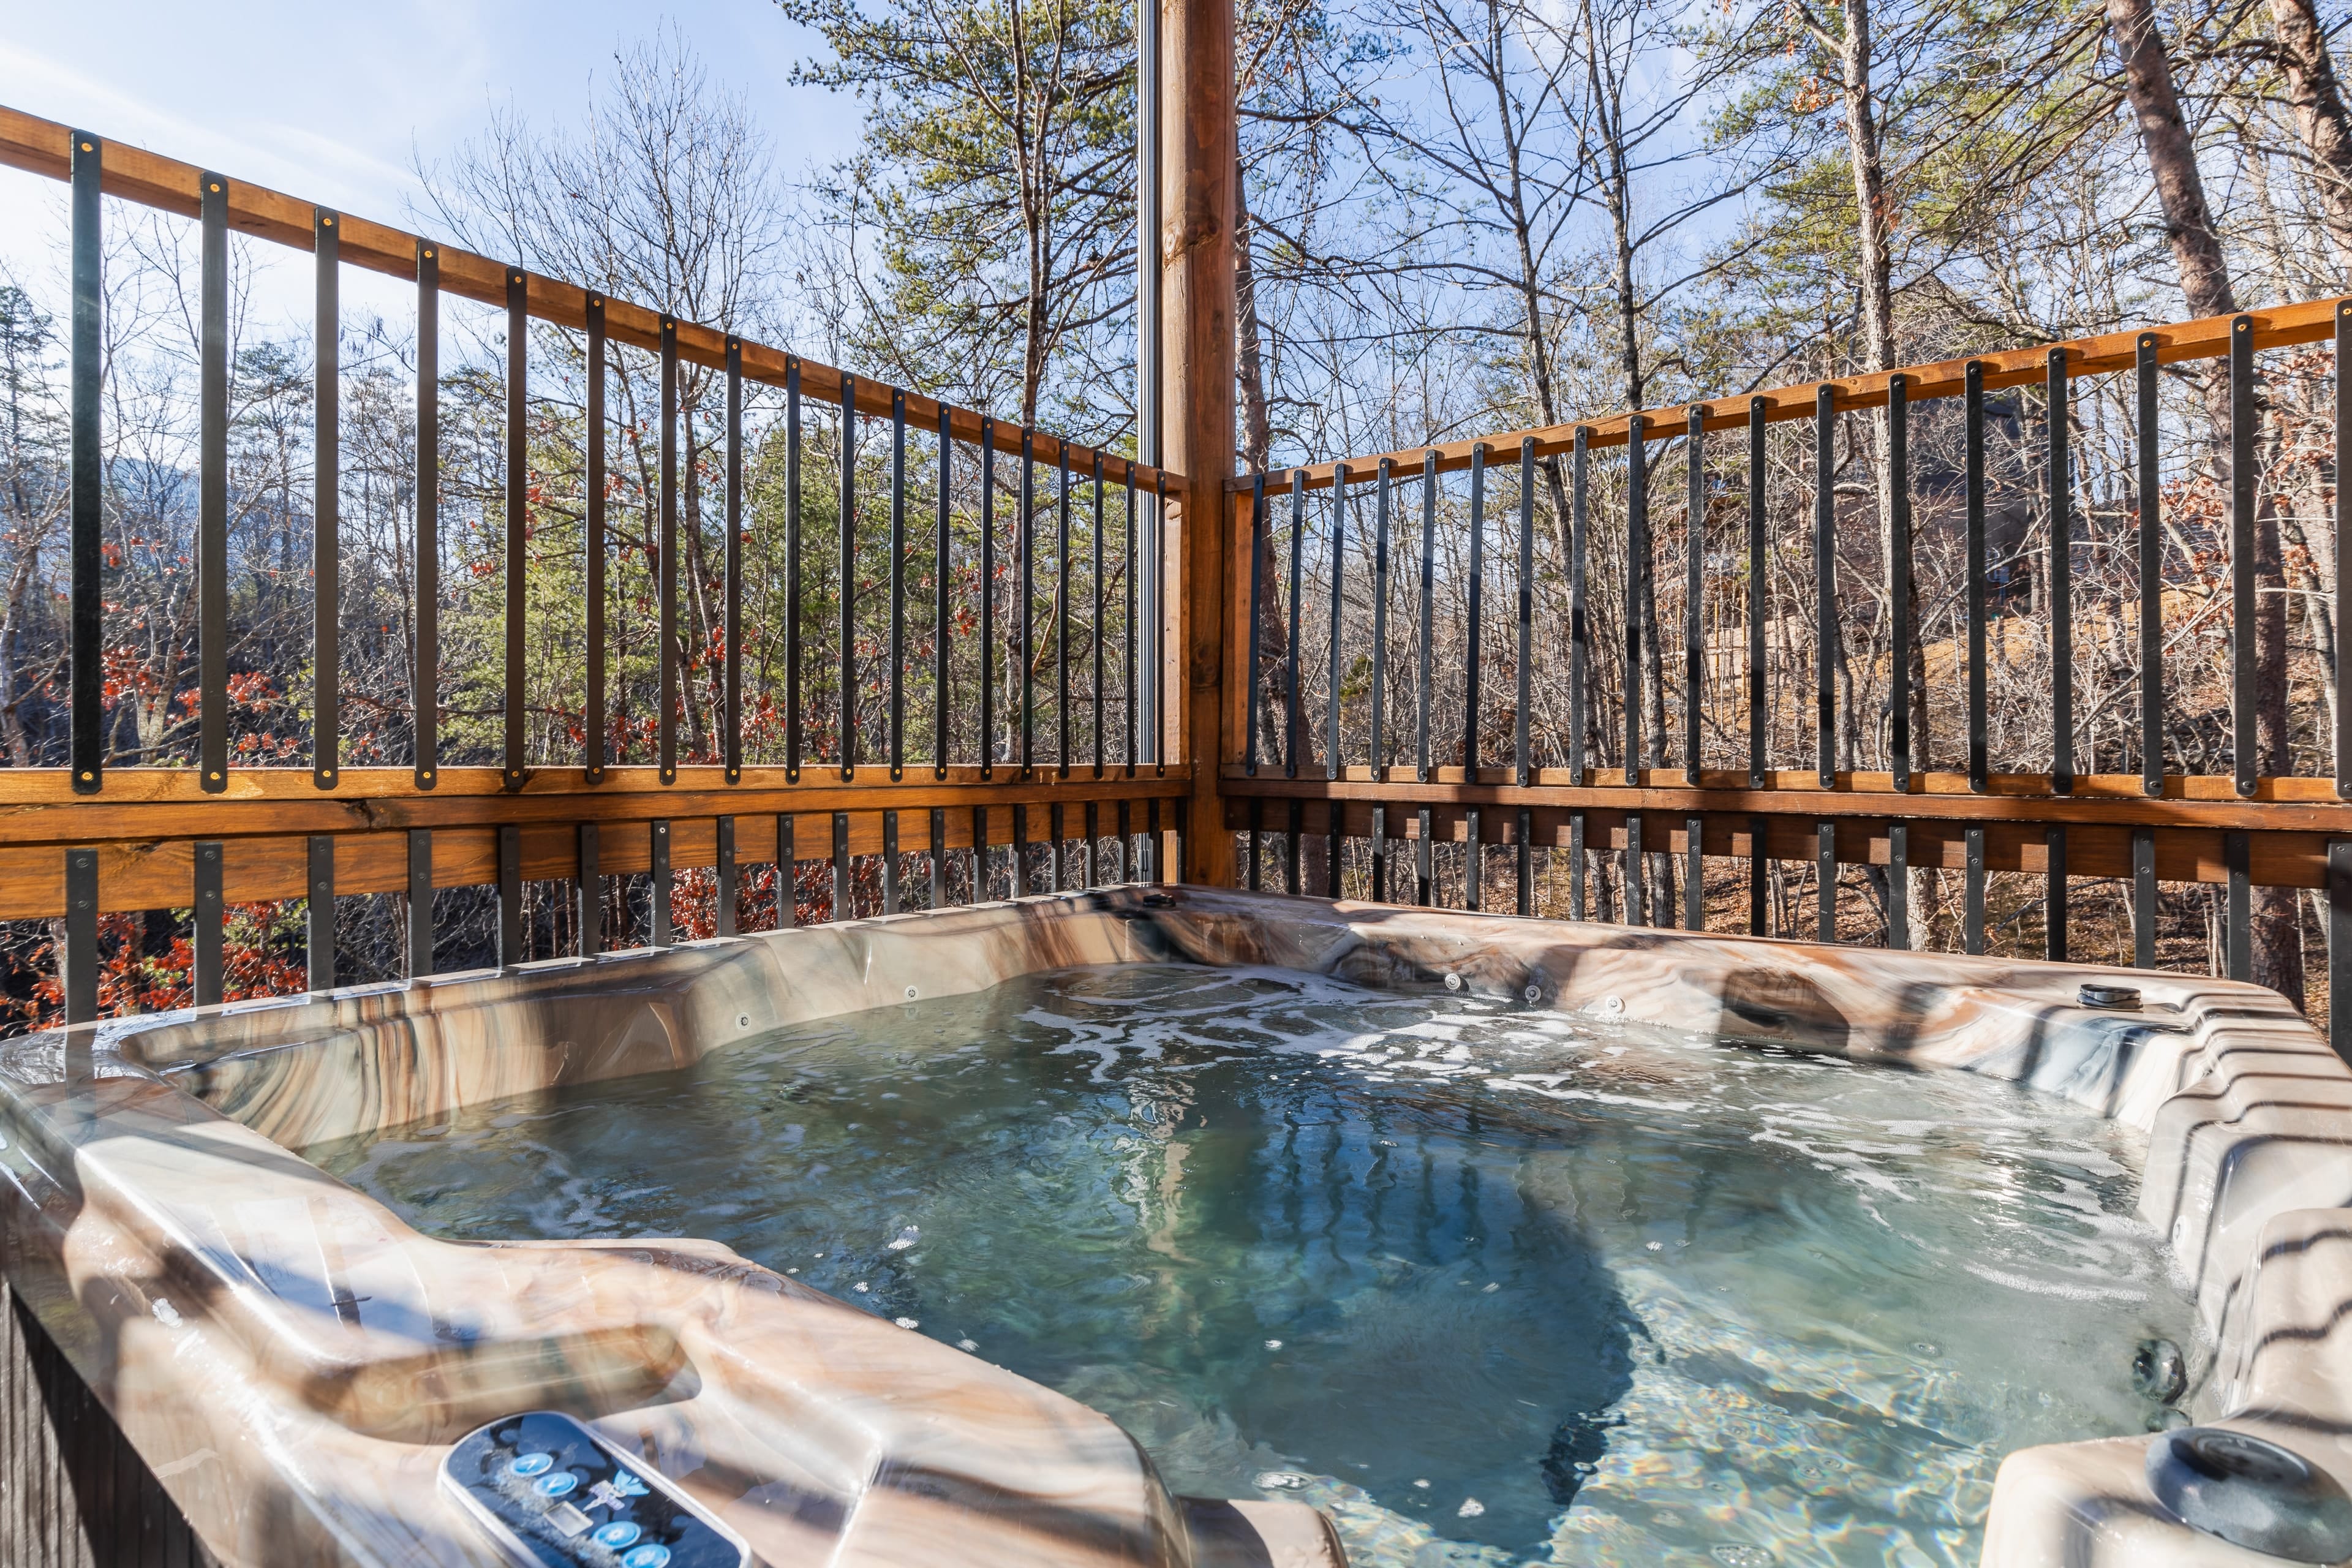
point(1490, 1285)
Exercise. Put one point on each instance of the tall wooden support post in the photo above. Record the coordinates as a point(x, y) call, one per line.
point(1196, 162)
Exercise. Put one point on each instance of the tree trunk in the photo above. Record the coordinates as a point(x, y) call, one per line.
point(1257, 444)
point(2205, 283)
point(2319, 112)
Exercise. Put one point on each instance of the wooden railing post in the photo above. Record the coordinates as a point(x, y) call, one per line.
point(1196, 268)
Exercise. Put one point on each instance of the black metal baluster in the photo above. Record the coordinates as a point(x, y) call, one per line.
point(1758, 753)
point(1759, 855)
point(788, 875)
point(1972, 903)
point(1637, 572)
point(1331, 761)
point(1695, 873)
point(889, 862)
point(420, 902)
point(592, 546)
point(319, 913)
point(1826, 876)
point(1379, 760)
point(2244, 743)
point(1297, 589)
point(1898, 469)
point(1522, 750)
point(666, 720)
point(2239, 929)
point(792, 579)
point(1126, 844)
point(1086, 876)
point(724, 914)
point(1183, 829)
point(81, 965)
point(1020, 871)
point(1257, 833)
point(1250, 680)
point(842, 903)
point(980, 876)
point(1424, 860)
point(2150, 485)
point(1637, 898)
point(424, 680)
point(518, 519)
point(86, 651)
point(2062, 581)
point(664, 884)
point(1694, 604)
point(509, 897)
point(588, 893)
point(987, 599)
point(2143, 859)
point(212, 492)
point(1576, 865)
point(1057, 848)
point(1825, 626)
point(211, 918)
point(1158, 640)
point(848, 575)
point(898, 585)
point(1094, 627)
point(1423, 670)
point(326, 494)
point(942, 550)
point(939, 858)
point(1380, 847)
point(1973, 440)
point(2054, 838)
point(2339, 931)
point(2340, 446)
point(1899, 886)
point(1127, 656)
point(732, 754)
point(1478, 603)
point(1028, 551)
point(1474, 858)
point(1062, 615)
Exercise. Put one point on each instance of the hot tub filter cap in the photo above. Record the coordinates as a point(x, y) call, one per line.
point(2251, 1492)
point(2116, 998)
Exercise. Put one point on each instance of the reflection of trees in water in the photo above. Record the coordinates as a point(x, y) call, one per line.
point(1439, 1311)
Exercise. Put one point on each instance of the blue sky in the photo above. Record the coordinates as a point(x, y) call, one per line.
point(335, 101)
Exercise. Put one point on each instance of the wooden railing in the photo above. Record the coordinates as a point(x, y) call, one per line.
point(1053, 787)
point(1343, 756)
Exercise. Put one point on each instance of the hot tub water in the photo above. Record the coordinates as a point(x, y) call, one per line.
point(1490, 1285)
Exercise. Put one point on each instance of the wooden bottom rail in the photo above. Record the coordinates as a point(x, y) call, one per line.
point(2275, 859)
point(147, 850)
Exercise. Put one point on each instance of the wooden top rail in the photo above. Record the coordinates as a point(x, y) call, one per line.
point(2200, 801)
point(2279, 326)
point(37, 805)
point(44, 147)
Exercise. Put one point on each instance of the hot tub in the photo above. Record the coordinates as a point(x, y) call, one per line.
point(293, 1360)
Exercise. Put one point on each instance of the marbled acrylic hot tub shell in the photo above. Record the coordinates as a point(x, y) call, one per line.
point(292, 1360)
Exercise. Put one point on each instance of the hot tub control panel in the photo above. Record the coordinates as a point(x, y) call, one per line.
point(552, 1494)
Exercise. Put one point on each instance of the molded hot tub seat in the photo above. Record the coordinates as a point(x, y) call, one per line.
point(292, 1360)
